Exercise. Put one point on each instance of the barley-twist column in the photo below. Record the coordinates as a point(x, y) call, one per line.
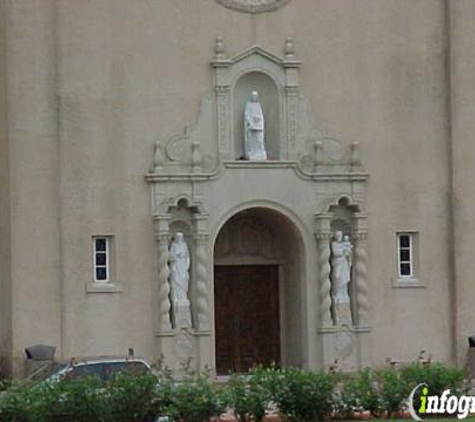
point(361, 279)
point(162, 237)
point(163, 284)
point(202, 282)
point(323, 239)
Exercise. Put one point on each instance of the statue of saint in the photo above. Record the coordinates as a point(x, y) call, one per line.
point(179, 268)
point(254, 129)
point(342, 251)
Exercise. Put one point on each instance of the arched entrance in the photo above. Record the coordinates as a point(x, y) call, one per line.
point(258, 272)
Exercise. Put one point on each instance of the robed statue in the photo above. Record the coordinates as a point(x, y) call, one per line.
point(341, 258)
point(254, 129)
point(179, 267)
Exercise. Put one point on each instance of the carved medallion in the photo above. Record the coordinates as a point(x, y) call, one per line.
point(253, 6)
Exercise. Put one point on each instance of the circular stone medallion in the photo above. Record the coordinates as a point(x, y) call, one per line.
point(253, 6)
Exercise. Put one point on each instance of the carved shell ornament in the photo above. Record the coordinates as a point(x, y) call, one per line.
point(253, 6)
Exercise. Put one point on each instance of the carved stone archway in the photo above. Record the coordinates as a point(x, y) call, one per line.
point(258, 262)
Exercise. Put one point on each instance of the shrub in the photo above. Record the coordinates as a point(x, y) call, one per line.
point(248, 396)
point(194, 399)
point(359, 393)
point(393, 390)
point(138, 397)
point(303, 395)
point(436, 375)
point(78, 400)
point(22, 403)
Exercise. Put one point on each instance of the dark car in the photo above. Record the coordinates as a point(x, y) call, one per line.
point(101, 366)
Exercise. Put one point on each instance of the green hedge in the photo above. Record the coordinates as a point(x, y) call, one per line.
point(299, 395)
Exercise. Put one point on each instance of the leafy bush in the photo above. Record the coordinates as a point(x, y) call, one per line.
point(436, 375)
point(393, 389)
point(303, 395)
point(138, 397)
point(194, 399)
point(22, 403)
point(359, 392)
point(248, 396)
point(300, 395)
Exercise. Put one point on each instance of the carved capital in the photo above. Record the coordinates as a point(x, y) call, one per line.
point(323, 236)
point(291, 91)
point(222, 90)
point(200, 238)
point(162, 237)
point(360, 236)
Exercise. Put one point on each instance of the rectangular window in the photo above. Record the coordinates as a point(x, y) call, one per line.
point(101, 258)
point(405, 244)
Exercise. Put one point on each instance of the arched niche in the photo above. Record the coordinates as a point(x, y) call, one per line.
point(270, 101)
point(277, 81)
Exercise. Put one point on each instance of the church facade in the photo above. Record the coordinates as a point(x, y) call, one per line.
point(232, 182)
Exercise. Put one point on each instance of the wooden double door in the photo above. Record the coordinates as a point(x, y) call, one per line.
point(247, 317)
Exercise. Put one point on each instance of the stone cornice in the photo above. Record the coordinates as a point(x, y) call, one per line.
point(323, 174)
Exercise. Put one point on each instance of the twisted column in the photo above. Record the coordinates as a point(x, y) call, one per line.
point(163, 284)
point(361, 279)
point(323, 240)
point(201, 274)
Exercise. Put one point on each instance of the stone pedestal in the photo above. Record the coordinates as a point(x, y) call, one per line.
point(345, 348)
point(343, 314)
point(182, 315)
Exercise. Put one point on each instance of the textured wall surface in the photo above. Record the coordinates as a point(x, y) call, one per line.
point(92, 85)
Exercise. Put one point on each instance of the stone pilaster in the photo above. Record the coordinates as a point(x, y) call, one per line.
point(223, 112)
point(291, 94)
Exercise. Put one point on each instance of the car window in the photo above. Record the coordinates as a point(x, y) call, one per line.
point(47, 371)
point(86, 370)
point(112, 368)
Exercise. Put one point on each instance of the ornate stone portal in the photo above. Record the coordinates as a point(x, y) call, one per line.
point(310, 181)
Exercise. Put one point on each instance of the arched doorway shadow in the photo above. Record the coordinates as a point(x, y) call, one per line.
point(258, 291)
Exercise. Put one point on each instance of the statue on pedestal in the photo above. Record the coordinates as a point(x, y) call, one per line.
point(342, 251)
point(254, 130)
point(179, 280)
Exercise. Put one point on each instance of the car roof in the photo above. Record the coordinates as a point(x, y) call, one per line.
point(103, 359)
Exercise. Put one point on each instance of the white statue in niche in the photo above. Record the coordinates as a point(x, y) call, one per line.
point(179, 279)
point(254, 129)
point(342, 251)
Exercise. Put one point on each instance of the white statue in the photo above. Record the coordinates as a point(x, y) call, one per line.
point(179, 267)
point(342, 252)
point(254, 129)
point(349, 247)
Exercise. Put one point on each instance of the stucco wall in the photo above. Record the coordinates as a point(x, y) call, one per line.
point(5, 285)
point(462, 108)
point(34, 174)
point(92, 86)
